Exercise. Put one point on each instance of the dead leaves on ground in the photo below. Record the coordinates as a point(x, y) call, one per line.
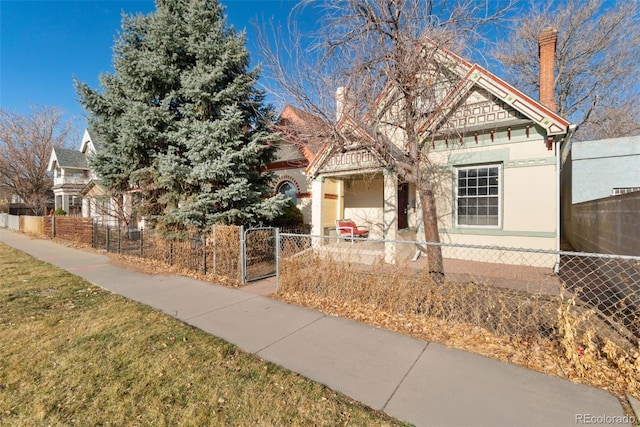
point(595, 369)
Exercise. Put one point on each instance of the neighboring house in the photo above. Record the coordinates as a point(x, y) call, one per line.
point(303, 135)
point(70, 174)
point(77, 188)
point(602, 168)
point(601, 195)
point(498, 176)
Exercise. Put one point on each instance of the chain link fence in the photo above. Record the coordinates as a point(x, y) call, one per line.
point(216, 253)
point(515, 292)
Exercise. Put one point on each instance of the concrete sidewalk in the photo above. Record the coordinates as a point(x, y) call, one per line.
point(416, 381)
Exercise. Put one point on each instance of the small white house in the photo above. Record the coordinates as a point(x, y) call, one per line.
point(497, 152)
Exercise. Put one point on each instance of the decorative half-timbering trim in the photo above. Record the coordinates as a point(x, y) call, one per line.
point(481, 78)
point(331, 196)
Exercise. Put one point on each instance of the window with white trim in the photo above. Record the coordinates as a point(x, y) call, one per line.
point(478, 196)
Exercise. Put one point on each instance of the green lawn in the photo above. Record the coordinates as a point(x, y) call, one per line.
point(74, 354)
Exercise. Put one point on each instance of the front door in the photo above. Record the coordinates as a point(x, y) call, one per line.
point(403, 204)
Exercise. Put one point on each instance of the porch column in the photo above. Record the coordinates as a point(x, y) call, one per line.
point(65, 203)
point(317, 227)
point(390, 215)
point(86, 208)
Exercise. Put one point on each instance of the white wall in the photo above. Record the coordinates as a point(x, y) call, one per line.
point(363, 201)
point(528, 190)
point(303, 183)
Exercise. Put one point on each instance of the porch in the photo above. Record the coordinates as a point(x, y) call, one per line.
point(374, 199)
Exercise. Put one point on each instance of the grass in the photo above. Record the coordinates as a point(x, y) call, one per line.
point(74, 354)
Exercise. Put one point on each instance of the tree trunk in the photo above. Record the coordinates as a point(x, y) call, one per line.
point(431, 234)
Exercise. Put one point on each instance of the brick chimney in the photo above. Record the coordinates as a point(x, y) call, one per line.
point(547, 51)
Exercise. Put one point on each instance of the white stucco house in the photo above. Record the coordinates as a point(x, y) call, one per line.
point(497, 150)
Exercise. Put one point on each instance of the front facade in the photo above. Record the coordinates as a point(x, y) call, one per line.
point(495, 167)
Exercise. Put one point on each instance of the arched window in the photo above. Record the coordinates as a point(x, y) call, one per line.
point(289, 189)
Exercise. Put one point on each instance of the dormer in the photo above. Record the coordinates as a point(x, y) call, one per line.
point(89, 145)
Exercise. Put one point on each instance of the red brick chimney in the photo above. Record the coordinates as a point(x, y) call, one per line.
point(547, 51)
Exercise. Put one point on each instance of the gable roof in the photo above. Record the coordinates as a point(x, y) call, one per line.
point(360, 148)
point(72, 159)
point(478, 76)
point(472, 77)
point(88, 139)
point(307, 131)
point(93, 188)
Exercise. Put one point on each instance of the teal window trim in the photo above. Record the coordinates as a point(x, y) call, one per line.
point(498, 232)
point(500, 156)
point(472, 158)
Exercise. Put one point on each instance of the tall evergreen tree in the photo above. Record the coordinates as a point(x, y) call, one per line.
point(180, 118)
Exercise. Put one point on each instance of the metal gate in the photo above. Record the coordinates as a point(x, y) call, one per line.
point(259, 248)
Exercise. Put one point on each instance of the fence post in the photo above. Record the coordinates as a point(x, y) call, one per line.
point(53, 227)
point(95, 234)
point(243, 265)
point(108, 237)
point(277, 232)
point(171, 252)
point(204, 254)
point(141, 242)
point(119, 237)
point(215, 270)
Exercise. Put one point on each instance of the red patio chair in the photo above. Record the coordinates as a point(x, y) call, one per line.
point(348, 228)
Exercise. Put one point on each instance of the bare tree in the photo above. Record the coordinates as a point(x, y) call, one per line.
point(26, 142)
point(386, 55)
point(597, 62)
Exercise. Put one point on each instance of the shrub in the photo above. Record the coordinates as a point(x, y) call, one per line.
point(291, 216)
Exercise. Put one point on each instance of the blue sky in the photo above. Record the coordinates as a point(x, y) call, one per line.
point(44, 43)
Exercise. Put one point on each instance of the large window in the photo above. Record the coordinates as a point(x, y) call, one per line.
point(478, 196)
